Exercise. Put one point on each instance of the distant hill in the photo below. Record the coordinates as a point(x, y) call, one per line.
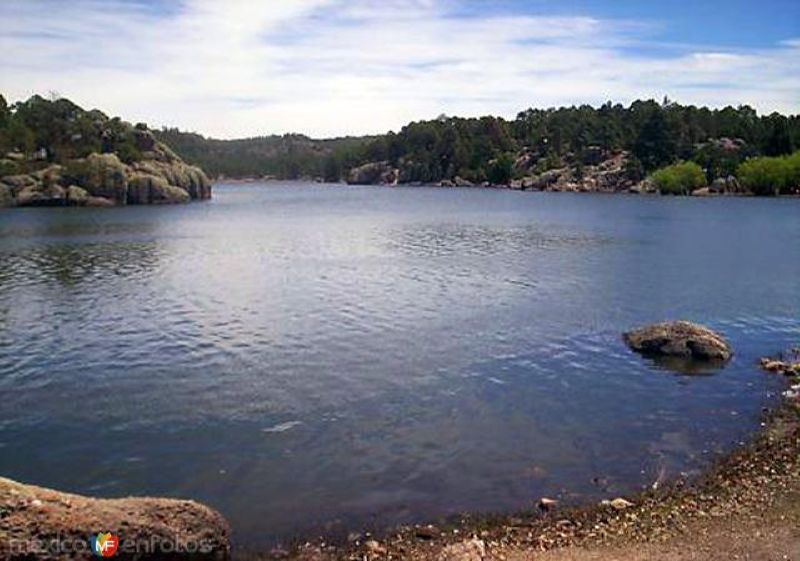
point(55, 153)
point(291, 156)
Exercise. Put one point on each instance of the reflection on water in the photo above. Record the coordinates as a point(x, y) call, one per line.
point(470, 240)
point(71, 265)
point(688, 366)
point(306, 357)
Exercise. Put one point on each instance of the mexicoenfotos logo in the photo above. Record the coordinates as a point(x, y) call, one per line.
point(104, 545)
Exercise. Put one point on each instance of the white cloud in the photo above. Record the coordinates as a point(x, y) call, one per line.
point(330, 67)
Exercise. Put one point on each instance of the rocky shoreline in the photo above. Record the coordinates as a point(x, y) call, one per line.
point(605, 172)
point(756, 486)
point(760, 481)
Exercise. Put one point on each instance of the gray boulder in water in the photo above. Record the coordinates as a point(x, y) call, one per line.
point(679, 339)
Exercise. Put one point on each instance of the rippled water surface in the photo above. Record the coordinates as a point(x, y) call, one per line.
point(310, 358)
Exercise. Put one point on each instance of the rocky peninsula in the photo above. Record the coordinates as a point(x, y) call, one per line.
point(61, 155)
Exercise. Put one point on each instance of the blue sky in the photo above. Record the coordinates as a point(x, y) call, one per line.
point(733, 23)
point(330, 67)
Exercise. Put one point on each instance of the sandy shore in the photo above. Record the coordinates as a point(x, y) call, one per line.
point(745, 507)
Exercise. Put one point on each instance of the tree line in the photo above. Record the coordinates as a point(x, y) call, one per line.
point(480, 149)
point(39, 131)
point(490, 148)
point(289, 156)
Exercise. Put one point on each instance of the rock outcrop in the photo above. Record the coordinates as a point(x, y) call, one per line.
point(43, 524)
point(604, 172)
point(726, 185)
point(599, 171)
point(374, 173)
point(679, 339)
point(160, 177)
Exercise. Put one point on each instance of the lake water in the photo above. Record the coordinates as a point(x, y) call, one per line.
point(322, 358)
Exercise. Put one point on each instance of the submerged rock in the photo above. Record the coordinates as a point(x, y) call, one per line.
point(777, 366)
point(43, 524)
point(679, 339)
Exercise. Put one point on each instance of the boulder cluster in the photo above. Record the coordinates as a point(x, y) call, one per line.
point(606, 173)
point(104, 180)
point(374, 173)
point(721, 186)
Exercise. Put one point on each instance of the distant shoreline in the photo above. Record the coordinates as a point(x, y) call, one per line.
point(222, 182)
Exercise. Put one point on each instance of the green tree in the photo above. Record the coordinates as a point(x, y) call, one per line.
point(500, 169)
point(771, 175)
point(20, 137)
point(779, 138)
point(679, 179)
point(655, 144)
point(5, 112)
point(332, 170)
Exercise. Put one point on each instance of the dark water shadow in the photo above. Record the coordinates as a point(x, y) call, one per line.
point(686, 366)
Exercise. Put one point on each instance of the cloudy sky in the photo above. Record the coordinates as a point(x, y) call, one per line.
point(333, 67)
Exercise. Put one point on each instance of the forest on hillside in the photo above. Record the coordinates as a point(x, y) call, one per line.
point(486, 148)
point(289, 156)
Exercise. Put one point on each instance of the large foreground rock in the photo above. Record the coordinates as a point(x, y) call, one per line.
point(36, 522)
point(679, 339)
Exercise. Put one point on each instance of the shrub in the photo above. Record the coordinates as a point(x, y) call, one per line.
point(8, 167)
point(794, 171)
point(771, 176)
point(679, 179)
